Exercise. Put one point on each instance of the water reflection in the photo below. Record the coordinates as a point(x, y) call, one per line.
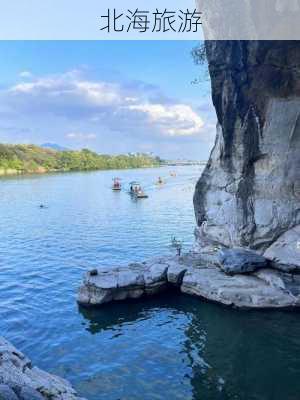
point(221, 353)
point(171, 347)
point(114, 316)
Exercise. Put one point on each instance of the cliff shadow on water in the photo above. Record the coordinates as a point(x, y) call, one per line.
point(222, 352)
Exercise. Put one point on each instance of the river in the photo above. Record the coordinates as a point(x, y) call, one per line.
point(163, 348)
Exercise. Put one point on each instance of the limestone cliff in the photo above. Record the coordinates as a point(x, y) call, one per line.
point(249, 192)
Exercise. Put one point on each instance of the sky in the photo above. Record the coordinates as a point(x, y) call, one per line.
point(112, 97)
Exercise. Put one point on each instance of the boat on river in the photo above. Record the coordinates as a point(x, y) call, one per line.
point(137, 191)
point(117, 186)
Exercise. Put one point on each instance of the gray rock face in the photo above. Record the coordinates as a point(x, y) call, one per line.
point(243, 291)
point(240, 261)
point(284, 253)
point(272, 278)
point(6, 393)
point(175, 273)
point(195, 275)
point(19, 380)
point(131, 282)
point(28, 393)
point(249, 192)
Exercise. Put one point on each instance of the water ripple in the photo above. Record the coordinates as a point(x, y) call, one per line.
point(163, 348)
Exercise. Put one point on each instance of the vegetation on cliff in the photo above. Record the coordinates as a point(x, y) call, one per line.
point(34, 159)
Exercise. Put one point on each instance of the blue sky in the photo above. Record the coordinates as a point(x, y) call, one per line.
point(109, 96)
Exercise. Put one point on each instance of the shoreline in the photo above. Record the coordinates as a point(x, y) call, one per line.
point(20, 380)
point(15, 173)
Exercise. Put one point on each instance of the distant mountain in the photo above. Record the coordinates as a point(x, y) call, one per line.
point(54, 146)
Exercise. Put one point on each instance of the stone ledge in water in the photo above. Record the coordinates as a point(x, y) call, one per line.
point(244, 291)
point(194, 275)
point(121, 283)
point(19, 380)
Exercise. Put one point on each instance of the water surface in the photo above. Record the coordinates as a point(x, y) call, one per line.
point(170, 347)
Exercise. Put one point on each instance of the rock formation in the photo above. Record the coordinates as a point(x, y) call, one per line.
point(20, 380)
point(247, 201)
point(249, 192)
point(195, 274)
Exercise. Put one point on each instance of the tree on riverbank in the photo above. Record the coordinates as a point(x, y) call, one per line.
point(31, 158)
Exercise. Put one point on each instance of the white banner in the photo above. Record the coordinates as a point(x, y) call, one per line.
point(145, 20)
point(100, 20)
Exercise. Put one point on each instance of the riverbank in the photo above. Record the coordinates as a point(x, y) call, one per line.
point(13, 172)
point(41, 171)
point(31, 159)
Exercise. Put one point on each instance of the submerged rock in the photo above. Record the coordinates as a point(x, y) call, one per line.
point(20, 380)
point(239, 261)
point(193, 275)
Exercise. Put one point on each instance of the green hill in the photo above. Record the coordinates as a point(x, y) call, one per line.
point(16, 159)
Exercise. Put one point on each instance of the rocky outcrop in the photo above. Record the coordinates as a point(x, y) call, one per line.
point(247, 201)
point(131, 282)
point(195, 274)
point(249, 193)
point(242, 291)
point(284, 253)
point(20, 380)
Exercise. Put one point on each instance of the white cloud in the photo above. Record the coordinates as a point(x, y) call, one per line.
point(133, 108)
point(93, 93)
point(175, 120)
point(81, 136)
point(25, 74)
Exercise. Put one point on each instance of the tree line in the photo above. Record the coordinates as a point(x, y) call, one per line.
point(31, 158)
